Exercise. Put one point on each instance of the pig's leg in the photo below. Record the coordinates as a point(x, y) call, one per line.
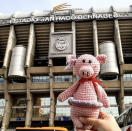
point(88, 127)
point(76, 121)
point(75, 117)
point(94, 114)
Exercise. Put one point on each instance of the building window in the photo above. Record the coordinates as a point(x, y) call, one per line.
point(113, 109)
point(19, 108)
point(127, 58)
point(2, 106)
point(63, 78)
point(1, 80)
point(127, 77)
point(128, 101)
point(62, 110)
point(42, 108)
point(59, 61)
point(40, 79)
point(45, 103)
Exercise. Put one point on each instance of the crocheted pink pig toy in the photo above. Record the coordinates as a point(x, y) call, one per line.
point(88, 95)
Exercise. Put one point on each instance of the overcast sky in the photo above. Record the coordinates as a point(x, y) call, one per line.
point(11, 6)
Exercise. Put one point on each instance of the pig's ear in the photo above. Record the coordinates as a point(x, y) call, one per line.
point(101, 58)
point(70, 62)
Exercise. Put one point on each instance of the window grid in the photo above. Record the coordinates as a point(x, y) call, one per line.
point(45, 110)
point(40, 79)
point(128, 99)
point(63, 78)
point(127, 77)
point(2, 105)
point(113, 109)
point(1, 80)
point(64, 111)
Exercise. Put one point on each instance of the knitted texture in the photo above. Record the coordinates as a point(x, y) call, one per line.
point(88, 95)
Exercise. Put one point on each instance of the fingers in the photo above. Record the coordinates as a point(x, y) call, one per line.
point(91, 121)
point(103, 115)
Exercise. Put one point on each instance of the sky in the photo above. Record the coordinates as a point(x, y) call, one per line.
point(27, 6)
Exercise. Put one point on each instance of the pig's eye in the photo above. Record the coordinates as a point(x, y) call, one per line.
point(89, 61)
point(83, 61)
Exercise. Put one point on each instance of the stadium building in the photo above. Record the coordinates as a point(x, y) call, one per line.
point(33, 50)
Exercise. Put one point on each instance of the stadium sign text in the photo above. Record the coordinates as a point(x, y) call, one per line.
point(43, 19)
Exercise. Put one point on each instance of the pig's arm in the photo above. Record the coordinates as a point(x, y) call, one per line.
point(102, 96)
point(68, 93)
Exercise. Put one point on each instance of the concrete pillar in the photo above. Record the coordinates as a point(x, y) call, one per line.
point(119, 103)
point(121, 94)
point(31, 47)
point(29, 111)
point(74, 37)
point(95, 38)
point(29, 62)
point(74, 46)
point(10, 44)
point(52, 96)
point(117, 39)
point(7, 110)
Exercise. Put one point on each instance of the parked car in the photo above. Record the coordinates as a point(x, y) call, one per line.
point(125, 120)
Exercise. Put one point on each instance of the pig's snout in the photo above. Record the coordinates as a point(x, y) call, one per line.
point(86, 71)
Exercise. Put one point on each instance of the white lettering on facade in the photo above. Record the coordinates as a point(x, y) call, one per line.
point(90, 16)
point(52, 18)
point(65, 18)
